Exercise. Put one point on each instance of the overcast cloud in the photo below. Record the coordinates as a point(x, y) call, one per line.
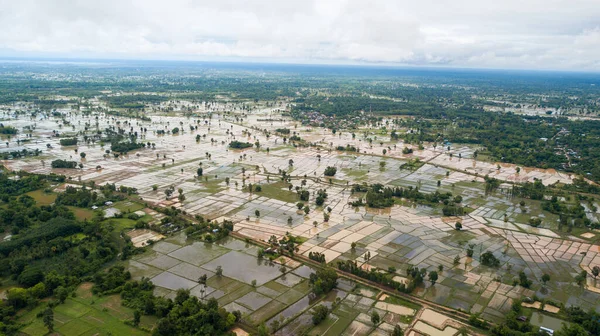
point(529, 34)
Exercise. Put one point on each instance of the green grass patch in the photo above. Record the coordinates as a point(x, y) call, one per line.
point(458, 237)
point(234, 295)
point(86, 314)
point(76, 327)
point(233, 286)
point(276, 286)
point(108, 324)
point(72, 309)
point(412, 165)
point(303, 287)
point(122, 223)
point(148, 322)
point(212, 186)
point(485, 157)
point(76, 237)
point(356, 173)
point(279, 191)
point(221, 282)
point(300, 240)
point(333, 325)
point(128, 206)
point(146, 218)
point(290, 296)
point(42, 198)
point(34, 325)
point(81, 213)
point(266, 312)
point(402, 302)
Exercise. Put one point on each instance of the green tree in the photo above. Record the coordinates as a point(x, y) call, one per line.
point(323, 281)
point(470, 250)
point(219, 271)
point(523, 280)
point(319, 314)
point(572, 329)
point(137, 315)
point(433, 277)
point(330, 171)
point(545, 278)
point(488, 259)
point(48, 318)
point(17, 297)
point(397, 331)
point(263, 330)
point(375, 318)
point(581, 278)
point(61, 294)
point(38, 291)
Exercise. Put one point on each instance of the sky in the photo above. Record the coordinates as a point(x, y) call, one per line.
point(505, 34)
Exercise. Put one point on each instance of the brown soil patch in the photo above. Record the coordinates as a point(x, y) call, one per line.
point(85, 290)
point(535, 305)
point(551, 309)
point(240, 332)
point(114, 303)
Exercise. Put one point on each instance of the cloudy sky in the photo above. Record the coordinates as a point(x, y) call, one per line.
point(526, 34)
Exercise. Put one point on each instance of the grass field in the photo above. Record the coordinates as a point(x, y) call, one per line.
point(81, 213)
point(356, 173)
point(128, 206)
point(122, 223)
point(278, 191)
point(212, 185)
point(333, 325)
point(42, 198)
point(402, 302)
point(87, 314)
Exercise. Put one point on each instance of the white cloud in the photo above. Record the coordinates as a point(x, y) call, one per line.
point(556, 34)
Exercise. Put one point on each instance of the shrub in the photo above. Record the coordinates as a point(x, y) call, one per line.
point(330, 171)
point(68, 142)
point(319, 314)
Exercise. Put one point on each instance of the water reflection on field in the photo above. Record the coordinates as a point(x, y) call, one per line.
point(244, 267)
point(546, 321)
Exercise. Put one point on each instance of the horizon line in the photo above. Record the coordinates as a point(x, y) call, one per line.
point(241, 61)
